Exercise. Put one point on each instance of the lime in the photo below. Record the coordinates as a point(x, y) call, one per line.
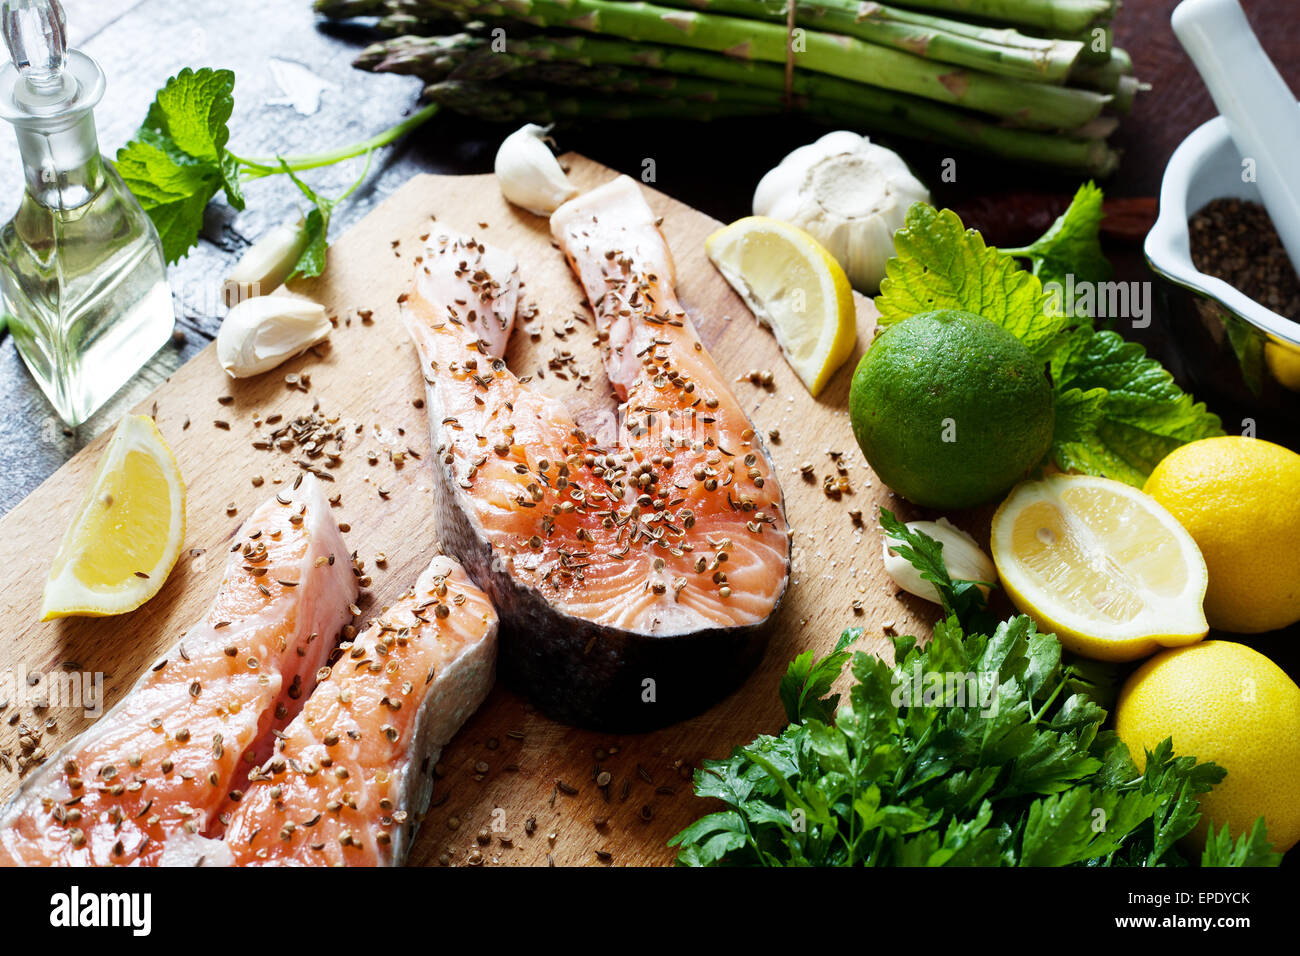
point(951, 409)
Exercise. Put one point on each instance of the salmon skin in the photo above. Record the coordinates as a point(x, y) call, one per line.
point(145, 783)
point(351, 777)
point(634, 577)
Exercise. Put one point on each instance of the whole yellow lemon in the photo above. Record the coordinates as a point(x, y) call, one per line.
point(1284, 362)
point(1223, 702)
point(1239, 499)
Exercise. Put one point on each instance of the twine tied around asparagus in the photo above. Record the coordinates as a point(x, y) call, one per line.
point(789, 54)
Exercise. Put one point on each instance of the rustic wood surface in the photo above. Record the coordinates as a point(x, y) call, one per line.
point(368, 377)
point(141, 42)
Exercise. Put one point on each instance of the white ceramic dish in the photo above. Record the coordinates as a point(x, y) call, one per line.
point(1207, 166)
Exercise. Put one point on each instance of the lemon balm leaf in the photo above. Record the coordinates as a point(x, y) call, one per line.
point(1078, 446)
point(315, 228)
point(1118, 411)
point(940, 264)
point(1072, 246)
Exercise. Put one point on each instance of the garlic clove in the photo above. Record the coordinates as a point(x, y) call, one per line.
point(962, 555)
point(266, 263)
point(260, 333)
point(529, 174)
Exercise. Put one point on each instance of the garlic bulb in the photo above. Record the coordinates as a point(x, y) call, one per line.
point(529, 174)
point(849, 194)
point(266, 263)
point(965, 560)
point(260, 333)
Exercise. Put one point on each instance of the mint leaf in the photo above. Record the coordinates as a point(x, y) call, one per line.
point(939, 264)
point(1118, 411)
point(1072, 246)
point(171, 188)
point(178, 162)
point(192, 109)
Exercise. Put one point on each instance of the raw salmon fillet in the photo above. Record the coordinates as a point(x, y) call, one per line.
point(633, 578)
point(147, 779)
point(351, 777)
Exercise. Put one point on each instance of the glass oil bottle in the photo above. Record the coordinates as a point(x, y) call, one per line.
point(81, 267)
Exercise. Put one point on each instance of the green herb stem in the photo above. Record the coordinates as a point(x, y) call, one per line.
point(260, 167)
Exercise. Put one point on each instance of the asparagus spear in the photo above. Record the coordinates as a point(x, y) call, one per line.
point(506, 103)
point(343, 9)
point(500, 104)
point(428, 57)
point(1115, 76)
point(1057, 16)
point(401, 24)
point(438, 58)
point(435, 57)
point(1098, 42)
point(1016, 101)
point(1000, 51)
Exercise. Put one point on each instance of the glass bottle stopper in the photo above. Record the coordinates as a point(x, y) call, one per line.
point(36, 33)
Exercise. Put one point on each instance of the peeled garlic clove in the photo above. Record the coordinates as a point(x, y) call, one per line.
point(529, 174)
point(266, 263)
point(965, 560)
point(260, 333)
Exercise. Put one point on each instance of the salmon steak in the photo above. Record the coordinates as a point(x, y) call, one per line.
point(352, 775)
point(634, 575)
point(147, 782)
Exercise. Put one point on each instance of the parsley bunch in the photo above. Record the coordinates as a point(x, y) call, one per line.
point(982, 748)
point(1118, 411)
point(179, 161)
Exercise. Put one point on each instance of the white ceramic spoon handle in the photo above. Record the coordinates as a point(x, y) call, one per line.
point(1260, 109)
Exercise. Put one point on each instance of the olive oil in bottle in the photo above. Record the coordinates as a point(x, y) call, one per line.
point(81, 267)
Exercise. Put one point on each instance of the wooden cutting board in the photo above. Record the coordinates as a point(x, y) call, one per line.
point(514, 787)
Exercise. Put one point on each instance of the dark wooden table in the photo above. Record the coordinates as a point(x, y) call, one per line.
point(140, 43)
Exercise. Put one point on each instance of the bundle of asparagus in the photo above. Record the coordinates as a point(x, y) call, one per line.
point(1048, 94)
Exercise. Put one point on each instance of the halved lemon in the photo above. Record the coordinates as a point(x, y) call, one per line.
point(794, 286)
point(128, 530)
point(1101, 565)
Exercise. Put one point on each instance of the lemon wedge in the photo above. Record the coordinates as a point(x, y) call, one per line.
point(128, 530)
point(1101, 565)
point(794, 286)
